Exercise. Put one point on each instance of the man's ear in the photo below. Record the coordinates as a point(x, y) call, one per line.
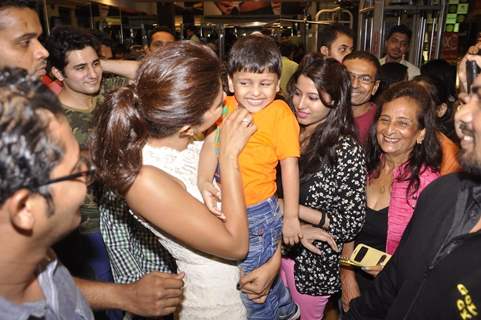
point(376, 86)
point(20, 210)
point(324, 50)
point(57, 74)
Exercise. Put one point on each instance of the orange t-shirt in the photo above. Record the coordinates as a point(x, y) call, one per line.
point(276, 138)
point(449, 163)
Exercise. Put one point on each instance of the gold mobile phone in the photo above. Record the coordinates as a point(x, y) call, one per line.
point(366, 256)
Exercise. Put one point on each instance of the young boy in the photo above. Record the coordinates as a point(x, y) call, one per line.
point(254, 68)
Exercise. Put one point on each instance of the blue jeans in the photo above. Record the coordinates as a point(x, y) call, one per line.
point(265, 231)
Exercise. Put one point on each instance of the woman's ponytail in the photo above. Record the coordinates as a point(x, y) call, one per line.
point(118, 138)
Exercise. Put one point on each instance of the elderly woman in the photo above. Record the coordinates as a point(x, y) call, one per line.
point(403, 158)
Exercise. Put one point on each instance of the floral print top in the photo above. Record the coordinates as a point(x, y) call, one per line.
point(340, 192)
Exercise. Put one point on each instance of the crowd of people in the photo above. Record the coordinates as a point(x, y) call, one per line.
point(185, 187)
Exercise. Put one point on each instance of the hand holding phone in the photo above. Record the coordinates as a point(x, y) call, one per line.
point(366, 256)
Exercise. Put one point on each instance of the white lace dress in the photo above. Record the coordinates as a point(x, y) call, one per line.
point(210, 284)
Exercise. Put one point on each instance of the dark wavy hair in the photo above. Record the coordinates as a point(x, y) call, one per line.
point(64, 39)
point(331, 77)
point(174, 87)
point(28, 152)
point(426, 154)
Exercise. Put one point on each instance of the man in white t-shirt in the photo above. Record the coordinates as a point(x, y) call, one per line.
point(397, 46)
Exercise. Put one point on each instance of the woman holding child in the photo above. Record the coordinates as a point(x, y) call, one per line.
point(143, 148)
point(332, 180)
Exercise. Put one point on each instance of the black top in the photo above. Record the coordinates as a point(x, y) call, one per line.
point(340, 192)
point(373, 234)
point(435, 272)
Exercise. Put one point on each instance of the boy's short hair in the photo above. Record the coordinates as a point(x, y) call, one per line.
point(400, 29)
point(255, 53)
point(329, 33)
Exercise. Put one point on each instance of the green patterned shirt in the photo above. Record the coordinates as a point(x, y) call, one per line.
point(81, 123)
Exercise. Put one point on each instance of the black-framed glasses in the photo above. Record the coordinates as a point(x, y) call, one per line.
point(87, 175)
point(363, 78)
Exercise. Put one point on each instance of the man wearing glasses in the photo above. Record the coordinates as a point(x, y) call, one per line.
point(436, 271)
point(156, 293)
point(363, 68)
point(43, 182)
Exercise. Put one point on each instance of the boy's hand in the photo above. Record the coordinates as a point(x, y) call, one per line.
point(212, 198)
point(291, 231)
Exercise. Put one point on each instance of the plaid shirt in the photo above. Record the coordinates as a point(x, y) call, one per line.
point(133, 250)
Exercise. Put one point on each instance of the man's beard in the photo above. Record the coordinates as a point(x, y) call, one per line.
point(470, 163)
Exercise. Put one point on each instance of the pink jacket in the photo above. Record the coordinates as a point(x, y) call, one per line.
point(401, 209)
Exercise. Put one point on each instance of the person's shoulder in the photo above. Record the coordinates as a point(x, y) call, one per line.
point(288, 62)
point(280, 104)
point(445, 142)
point(350, 146)
point(445, 187)
point(412, 69)
point(280, 107)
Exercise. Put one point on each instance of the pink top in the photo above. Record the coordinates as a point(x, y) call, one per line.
point(401, 209)
point(364, 122)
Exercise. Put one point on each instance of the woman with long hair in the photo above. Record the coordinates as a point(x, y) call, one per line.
point(143, 147)
point(332, 184)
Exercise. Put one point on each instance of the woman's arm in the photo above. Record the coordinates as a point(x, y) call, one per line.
point(312, 216)
point(257, 283)
point(350, 288)
point(311, 234)
point(309, 215)
point(162, 201)
point(205, 175)
point(348, 218)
